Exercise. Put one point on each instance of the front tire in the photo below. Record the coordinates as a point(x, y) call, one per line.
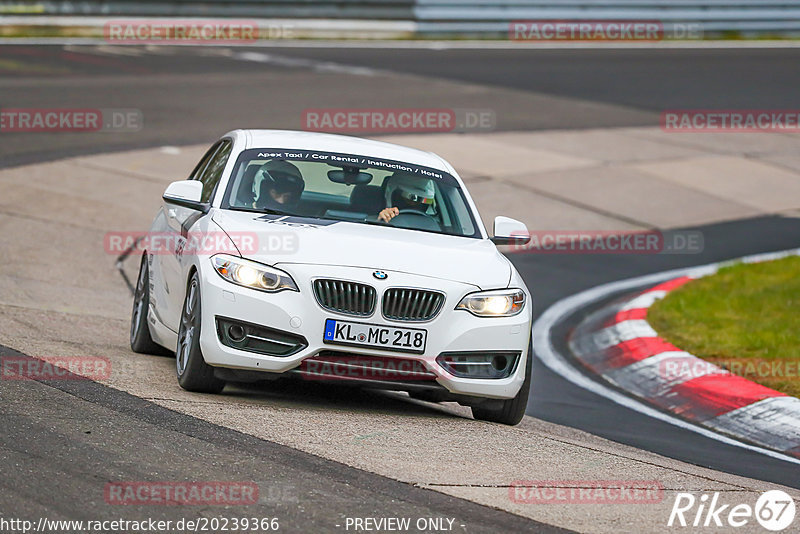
point(511, 411)
point(194, 374)
point(141, 340)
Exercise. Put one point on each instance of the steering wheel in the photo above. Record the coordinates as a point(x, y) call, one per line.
point(415, 220)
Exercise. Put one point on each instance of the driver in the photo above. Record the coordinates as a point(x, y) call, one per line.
point(281, 186)
point(407, 192)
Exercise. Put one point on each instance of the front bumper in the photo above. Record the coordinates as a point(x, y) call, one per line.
point(299, 314)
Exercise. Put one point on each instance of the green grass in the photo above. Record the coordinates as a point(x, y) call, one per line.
point(746, 318)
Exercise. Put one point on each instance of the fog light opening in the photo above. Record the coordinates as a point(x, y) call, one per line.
point(236, 333)
point(500, 363)
point(479, 365)
point(251, 337)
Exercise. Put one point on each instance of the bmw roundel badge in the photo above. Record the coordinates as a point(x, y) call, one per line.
point(380, 275)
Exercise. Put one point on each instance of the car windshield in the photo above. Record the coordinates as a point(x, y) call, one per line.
point(347, 187)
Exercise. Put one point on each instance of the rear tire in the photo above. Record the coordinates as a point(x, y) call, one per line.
point(512, 410)
point(194, 374)
point(140, 338)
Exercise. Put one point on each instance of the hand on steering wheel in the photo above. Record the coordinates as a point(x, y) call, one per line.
point(388, 214)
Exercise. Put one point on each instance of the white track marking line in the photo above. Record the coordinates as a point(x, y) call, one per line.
point(105, 50)
point(303, 63)
point(559, 365)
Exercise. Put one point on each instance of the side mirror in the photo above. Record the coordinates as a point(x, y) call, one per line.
point(508, 231)
point(187, 194)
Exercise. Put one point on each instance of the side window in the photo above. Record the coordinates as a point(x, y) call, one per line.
point(213, 171)
point(198, 170)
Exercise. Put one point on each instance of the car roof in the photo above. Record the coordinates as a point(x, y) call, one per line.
point(340, 143)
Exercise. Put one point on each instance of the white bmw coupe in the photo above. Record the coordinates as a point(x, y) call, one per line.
point(333, 258)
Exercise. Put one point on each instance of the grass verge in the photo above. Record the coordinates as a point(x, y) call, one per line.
point(745, 318)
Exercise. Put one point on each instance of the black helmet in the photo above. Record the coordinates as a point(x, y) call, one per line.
point(282, 179)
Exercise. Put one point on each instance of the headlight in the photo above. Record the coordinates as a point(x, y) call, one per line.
point(501, 303)
point(251, 274)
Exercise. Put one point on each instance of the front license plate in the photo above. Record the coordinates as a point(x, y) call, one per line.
point(367, 335)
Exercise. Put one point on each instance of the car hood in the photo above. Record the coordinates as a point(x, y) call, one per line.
point(298, 240)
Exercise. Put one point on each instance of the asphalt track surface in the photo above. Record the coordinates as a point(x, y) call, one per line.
point(82, 432)
point(193, 95)
point(554, 399)
point(190, 95)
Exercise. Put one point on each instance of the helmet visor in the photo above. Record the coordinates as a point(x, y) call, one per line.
point(414, 197)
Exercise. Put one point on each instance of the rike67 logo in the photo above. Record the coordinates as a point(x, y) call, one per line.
point(774, 510)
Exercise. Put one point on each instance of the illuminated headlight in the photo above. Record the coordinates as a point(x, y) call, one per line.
point(251, 274)
point(501, 303)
